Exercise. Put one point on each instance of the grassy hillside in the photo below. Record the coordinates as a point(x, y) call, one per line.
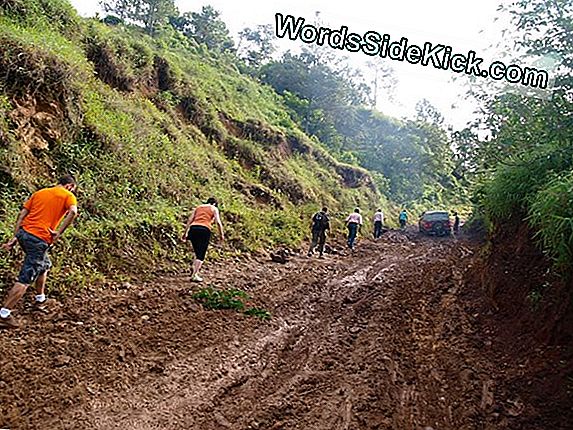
point(151, 127)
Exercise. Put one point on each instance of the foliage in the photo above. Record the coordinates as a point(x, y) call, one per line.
point(212, 298)
point(232, 298)
point(551, 213)
point(258, 44)
point(523, 171)
point(413, 159)
point(259, 313)
point(149, 13)
point(205, 28)
point(546, 27)
point(58, 15)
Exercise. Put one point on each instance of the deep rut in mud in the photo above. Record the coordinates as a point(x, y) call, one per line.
point(381, 339)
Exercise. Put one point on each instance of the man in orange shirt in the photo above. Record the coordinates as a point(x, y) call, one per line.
point(38, 227)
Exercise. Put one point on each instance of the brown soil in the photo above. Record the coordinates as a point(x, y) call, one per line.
point(391, 337)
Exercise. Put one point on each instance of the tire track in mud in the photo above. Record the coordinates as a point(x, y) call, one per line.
point(376, 340)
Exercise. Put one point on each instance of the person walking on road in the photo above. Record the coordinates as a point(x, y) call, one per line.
point(403, 219)
point(198, 232)
point(378, 223)
point(456, 223)
point(353, 223)
point(320, 225)
point(39, 225)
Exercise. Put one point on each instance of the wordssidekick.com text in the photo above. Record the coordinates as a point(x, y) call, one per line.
point(440, 56)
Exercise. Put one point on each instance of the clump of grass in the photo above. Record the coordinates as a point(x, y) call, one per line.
point(232, 298)
point(259, 313)
point(215, 299)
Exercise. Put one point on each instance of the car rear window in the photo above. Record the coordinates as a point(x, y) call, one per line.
point(438, 216)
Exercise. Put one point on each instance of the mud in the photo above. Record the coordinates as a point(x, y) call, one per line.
point(392, 336)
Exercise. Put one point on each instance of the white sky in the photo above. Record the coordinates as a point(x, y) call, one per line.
point(461, 24)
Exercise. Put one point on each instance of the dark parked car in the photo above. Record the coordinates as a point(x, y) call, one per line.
point(435, 222)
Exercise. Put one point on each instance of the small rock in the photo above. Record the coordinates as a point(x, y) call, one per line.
point(279, 256)
point(194, 307)
point(62, 360)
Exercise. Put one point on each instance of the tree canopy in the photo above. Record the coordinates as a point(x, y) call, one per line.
point(149, 13)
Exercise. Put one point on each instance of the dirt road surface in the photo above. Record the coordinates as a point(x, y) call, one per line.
point(390, 337)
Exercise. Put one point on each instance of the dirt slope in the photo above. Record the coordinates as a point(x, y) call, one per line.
point(387, 338)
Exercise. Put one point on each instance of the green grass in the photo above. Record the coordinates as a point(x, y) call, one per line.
point(551, 214)
point(212, 298)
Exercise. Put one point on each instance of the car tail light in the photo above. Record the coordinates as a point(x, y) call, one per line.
point(427, 224)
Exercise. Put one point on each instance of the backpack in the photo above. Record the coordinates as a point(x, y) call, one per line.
point(320, 221)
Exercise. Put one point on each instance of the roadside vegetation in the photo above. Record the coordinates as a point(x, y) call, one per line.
point(523, 172)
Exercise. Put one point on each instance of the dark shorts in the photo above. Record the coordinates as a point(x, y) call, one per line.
point(37, 261)
point(199, 237)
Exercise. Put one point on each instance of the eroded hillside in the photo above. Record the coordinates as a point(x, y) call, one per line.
point(151, 126)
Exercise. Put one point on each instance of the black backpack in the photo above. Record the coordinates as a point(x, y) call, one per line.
point(320, 221)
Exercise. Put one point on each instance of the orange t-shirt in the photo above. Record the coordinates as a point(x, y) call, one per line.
point(46, 209)
point(204, 216)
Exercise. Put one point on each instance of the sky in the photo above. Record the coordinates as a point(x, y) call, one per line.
point(462, 24)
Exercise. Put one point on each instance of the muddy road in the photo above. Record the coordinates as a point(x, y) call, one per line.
point(391, 337)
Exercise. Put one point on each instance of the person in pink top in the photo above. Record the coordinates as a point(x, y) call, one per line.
point(198, 232)
point(353, 223)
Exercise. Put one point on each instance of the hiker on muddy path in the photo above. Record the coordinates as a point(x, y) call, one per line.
point(378, 223)
point(403, 219)
point(320, 225)
point(39, 225)
point(198, 232)
point(353, 223)
point(456, 223)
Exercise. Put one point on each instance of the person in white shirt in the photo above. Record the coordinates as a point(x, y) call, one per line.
point(353, 223)
point(378, 223)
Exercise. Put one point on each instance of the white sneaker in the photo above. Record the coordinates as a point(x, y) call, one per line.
point(196, 278)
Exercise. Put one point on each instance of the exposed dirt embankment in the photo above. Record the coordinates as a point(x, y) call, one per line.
point(529, 311)
point(524, 289)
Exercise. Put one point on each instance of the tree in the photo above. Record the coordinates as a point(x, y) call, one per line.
point(257, 45)
point(547, 29)
point(425, 111)
point(318, 93)
point(384, 79)
point(149, 13)
point(205, 28)
point(124, 9)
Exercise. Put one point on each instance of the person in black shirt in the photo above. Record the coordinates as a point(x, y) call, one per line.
point(456, 223)
point(320, 224)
